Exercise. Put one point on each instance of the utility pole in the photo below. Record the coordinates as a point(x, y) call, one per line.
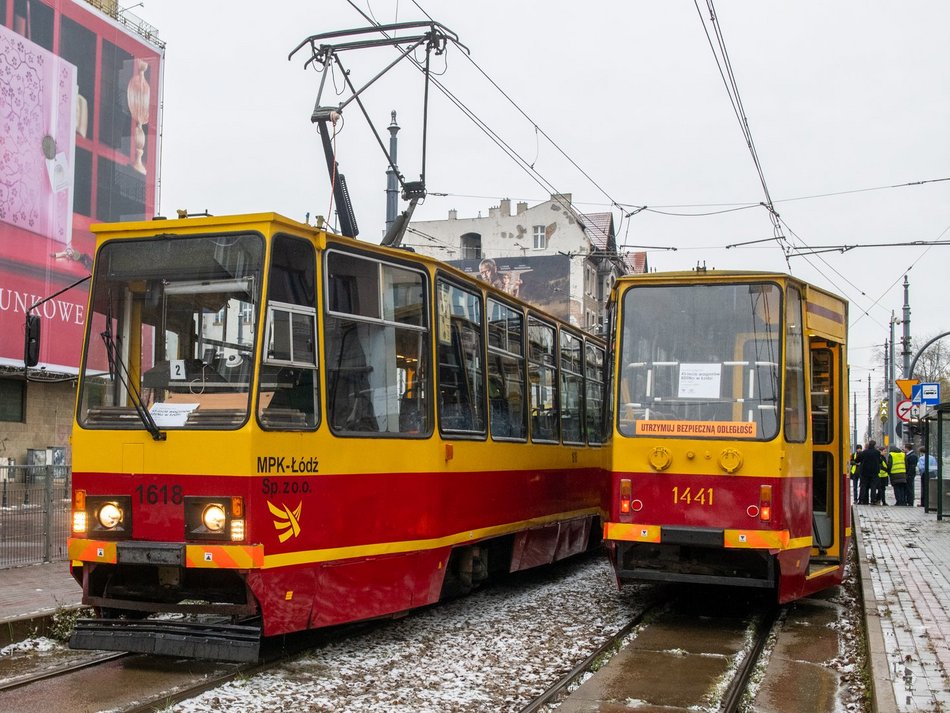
point(905, 350)
point(392, 187)
point(905, 340)
point(854, 421)
point(870, 418)
point(886, 395)
point(892, 388)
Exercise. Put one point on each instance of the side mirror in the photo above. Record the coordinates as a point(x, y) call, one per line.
point(31, 341)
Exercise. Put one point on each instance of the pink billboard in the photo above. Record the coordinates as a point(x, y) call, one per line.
point(79, 127)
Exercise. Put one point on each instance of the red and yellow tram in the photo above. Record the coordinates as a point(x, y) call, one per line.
point(279, 429)
point(730, 431)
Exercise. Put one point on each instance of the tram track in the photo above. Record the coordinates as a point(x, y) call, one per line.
point(739, 685)
point(31, 678)
point(676, 655)
point(610, 646)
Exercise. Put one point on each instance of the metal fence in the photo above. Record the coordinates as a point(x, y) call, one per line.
point(34, 513)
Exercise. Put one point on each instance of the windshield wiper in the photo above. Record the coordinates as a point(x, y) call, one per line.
point(117, 369)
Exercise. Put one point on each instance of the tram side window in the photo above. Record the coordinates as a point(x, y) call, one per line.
point(572, 388)
point(594, 385)
point(506, 375)
point(542, 374)
point(288, 396)
point(461, 373)
point(822, 396)
point(794, 368)
point(377, 347)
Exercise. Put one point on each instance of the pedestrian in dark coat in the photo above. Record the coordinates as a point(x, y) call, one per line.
point(869, 465)
point(911, 460)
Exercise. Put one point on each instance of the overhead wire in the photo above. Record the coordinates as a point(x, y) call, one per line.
point(729, 80)
point(527, 166)
point(732, 89)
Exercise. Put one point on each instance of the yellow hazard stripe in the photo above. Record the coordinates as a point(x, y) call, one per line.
point(737, 539)
point(91, 550)
point(631, 533)
point(389, 548)
point(206, 556)
point(224, 556)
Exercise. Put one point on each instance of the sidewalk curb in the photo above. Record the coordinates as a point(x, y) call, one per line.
point(14, 630)
point(883, 699)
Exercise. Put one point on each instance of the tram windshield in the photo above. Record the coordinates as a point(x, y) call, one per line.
point(700, 361)
point(171, 333)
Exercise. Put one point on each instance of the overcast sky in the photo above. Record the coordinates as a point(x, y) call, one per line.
point(849, 98)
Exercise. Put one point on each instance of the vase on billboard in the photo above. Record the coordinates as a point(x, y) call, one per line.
point(138, 94)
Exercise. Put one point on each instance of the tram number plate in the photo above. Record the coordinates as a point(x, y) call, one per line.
point(692, 496)
point(150, 553)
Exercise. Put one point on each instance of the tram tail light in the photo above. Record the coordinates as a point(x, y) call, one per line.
point(765, 503)
point(626, 492)
point(80, 524)
point(237, 519)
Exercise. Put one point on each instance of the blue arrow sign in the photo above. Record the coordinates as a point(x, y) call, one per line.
point(916, 394)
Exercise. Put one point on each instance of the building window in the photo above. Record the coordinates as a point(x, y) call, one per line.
point(471, 244)
point(540, 238)
point(12, 400)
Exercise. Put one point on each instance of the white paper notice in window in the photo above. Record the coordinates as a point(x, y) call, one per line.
point(171, 415)
point(699, 381)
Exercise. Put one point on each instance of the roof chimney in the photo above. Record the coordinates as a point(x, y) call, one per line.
point(505, 207)
point(453, 214)
point(522, 207)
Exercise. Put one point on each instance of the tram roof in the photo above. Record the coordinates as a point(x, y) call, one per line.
point(713, 275)
point(270, 223)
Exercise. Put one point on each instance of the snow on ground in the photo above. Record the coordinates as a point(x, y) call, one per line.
point(494, 650)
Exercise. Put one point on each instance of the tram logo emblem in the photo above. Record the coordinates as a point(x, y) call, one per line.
point(286, 520)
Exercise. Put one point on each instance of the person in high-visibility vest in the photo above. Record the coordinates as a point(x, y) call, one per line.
point(855, 473)
point(880, 485)
point(897, 466)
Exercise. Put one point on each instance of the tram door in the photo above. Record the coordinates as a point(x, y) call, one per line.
point(826, 439)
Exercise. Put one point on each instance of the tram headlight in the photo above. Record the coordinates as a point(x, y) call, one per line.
point(110, 515)
point(106, 516)
point(214, 517)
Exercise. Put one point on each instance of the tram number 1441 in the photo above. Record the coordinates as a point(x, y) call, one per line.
point(691, 496)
